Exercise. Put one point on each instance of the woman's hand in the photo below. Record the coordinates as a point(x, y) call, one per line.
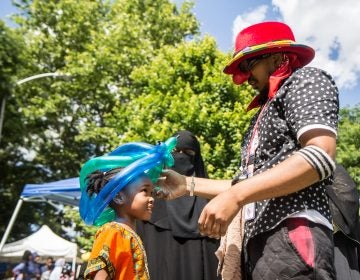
point(171, 185)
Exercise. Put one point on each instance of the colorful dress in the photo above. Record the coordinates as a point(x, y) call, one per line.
point(118, 250)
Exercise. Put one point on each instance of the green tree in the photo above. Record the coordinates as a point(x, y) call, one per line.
point(348, 147)
point(14, 172)
point(84, 234)
point(53, 126)
point(184, 88)
point(139, 73)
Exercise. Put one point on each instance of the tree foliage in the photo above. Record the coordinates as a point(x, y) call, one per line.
point(348, 147)
point(139, 72)
point(14, 171)
point(52, 126)
point(184, 88)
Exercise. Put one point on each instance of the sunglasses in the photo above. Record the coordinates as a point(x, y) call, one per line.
point(248, 64)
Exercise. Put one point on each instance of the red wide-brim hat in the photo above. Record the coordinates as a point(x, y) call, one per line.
point(267, 37)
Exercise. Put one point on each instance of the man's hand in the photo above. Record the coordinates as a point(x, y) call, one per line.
point(171, 185)
point(218, 214)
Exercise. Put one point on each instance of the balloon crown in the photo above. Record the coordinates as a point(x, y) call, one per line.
point(136, 158)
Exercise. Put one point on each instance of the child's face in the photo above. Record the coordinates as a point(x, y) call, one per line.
point(139, 199)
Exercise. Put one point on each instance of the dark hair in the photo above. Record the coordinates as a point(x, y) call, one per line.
point(98, 179)
point(26, 255)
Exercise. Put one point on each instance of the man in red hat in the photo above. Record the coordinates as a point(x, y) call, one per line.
point(276, 210)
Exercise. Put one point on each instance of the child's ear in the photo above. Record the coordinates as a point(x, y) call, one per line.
point(119, 199)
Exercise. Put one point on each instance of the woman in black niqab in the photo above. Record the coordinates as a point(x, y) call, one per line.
point(174, 247)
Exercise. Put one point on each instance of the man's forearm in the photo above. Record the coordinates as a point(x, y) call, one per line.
point(289, 176)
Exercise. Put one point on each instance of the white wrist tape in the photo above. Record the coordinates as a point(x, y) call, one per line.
point(319, 159)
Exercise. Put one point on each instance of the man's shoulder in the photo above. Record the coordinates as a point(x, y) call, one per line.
point(308, 77)
point(309, 72)
point(306, 71)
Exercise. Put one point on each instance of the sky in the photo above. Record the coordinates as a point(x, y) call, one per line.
point(328, 26)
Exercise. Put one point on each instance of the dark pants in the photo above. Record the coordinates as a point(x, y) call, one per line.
point(296, 249)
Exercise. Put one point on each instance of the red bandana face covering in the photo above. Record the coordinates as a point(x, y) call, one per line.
point(285, 69)
point(240, 77)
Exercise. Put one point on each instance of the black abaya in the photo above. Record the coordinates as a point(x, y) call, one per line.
point(175, 250)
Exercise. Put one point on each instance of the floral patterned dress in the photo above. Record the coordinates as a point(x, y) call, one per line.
point(118, 250)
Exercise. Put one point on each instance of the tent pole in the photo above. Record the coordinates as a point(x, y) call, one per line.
point(11, 223)
point(73, 265)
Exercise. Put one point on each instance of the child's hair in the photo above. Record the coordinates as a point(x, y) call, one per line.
point(98, 190)
point(98, 179)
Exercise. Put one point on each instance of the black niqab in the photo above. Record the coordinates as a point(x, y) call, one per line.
point(181, 215)
point(186, 164)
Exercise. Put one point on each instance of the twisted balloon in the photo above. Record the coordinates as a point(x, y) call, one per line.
point(136, 158)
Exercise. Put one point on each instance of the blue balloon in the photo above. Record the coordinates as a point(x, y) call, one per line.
point(137, 158)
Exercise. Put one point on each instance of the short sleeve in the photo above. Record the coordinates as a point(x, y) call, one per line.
point(311, 101)
point(110, 249)
point(18, 269)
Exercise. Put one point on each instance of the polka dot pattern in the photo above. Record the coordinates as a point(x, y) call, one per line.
point(307, 99)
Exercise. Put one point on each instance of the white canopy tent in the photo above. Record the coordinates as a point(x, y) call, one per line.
point(45, 242)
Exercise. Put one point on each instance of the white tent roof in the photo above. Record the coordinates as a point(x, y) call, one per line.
point(45, 242)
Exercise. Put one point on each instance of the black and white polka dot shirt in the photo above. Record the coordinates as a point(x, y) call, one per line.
point(307, 99)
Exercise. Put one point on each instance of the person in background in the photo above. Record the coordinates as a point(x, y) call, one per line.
point(27, 269)
point(344, 206)
point(47, 268)
point(118, 252)
point(20, 271)
point(275, 212)
point(67, 273)
point(56, 272)
point(35, 265)
point(174, 246)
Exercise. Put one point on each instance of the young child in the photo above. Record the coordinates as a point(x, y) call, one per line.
point(117, 190)
point(118, 252)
